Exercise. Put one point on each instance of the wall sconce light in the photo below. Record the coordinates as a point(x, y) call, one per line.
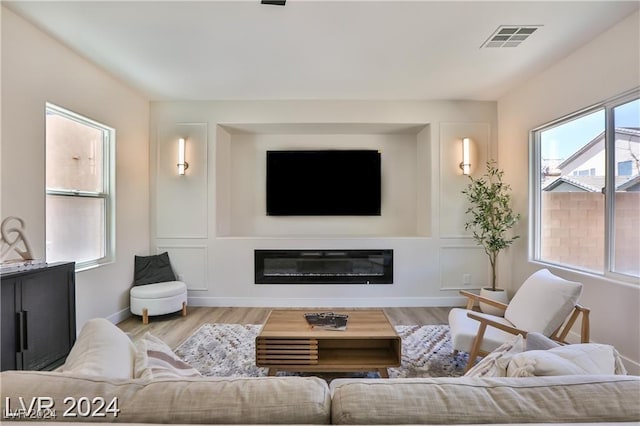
point(182, 165)
point(465, 165)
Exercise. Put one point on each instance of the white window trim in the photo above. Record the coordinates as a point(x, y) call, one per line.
point(108, 192)
point(535, 189)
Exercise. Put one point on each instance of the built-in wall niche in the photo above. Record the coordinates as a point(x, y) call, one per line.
point(241, 179)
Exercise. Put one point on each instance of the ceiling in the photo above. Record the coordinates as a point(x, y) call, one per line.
point(401, 50)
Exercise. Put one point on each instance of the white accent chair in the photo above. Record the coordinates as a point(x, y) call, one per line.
point(158, 299)
point(542, 304)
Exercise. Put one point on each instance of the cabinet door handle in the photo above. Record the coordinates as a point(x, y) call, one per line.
point(25, 326)
point(19, 330)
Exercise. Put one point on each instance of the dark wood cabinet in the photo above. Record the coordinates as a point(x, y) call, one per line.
point(38, 315)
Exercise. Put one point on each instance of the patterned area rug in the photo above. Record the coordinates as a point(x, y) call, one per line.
point(228, 350)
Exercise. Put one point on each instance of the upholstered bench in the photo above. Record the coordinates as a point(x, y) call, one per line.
point(158, 299)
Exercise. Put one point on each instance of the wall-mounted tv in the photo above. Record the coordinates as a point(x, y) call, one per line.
point(323, 183)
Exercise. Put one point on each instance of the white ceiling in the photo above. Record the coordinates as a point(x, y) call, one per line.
point(210, 50)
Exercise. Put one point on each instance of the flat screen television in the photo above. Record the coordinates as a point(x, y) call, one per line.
point(323, 183)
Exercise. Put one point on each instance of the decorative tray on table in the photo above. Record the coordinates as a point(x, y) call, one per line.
point(327, 320)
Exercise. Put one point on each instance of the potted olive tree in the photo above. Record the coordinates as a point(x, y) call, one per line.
point(491, 217)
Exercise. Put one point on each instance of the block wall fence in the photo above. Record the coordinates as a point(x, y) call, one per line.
point(573, 229)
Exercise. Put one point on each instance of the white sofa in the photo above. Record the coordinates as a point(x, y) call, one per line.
point(100, 368)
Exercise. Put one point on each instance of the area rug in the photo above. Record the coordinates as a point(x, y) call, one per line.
point(228, 350)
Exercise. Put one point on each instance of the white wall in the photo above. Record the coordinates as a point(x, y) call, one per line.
point(422, 219)
point(605, 67)
point(38, 69)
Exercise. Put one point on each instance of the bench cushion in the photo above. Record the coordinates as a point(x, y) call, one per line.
point(158, 290)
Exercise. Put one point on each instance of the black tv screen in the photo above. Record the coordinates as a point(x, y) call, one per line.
point(323, 183)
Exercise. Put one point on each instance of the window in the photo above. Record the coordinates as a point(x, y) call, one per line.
point(79, 189)
point(625, 168)
point(590, 172)
point(586, 189)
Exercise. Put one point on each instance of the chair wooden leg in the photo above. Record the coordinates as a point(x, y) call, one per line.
point(184, 309)
point(475, 348)
point(145, 316)
point(584, 330)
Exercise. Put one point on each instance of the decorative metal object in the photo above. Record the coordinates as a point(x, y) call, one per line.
point(12, 235)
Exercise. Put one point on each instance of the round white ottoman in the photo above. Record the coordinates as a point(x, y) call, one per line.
point(158, 299)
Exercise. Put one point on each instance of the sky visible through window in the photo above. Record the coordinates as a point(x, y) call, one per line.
point(562, 141)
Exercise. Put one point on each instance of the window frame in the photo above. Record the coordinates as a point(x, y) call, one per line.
point(535, 188)
point(107, 194)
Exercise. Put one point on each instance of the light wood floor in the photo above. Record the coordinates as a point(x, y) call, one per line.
point(174, 328)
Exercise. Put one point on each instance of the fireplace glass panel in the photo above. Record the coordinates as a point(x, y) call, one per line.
point(324, 266)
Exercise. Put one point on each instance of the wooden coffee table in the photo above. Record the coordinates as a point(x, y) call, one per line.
point(287, 342)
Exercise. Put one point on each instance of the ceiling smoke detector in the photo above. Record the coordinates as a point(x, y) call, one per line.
point(510, 35)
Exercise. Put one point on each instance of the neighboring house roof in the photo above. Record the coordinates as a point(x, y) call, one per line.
point(591, 184)
point(629, 131)
point(632, 185)
point(577, 182)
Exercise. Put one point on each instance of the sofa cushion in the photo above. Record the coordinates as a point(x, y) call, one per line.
point(152, 269)
point(101, 349)
point(588, 358)
point(486, 400)
point(543, 302)
point(495, 364)
point(154, 359)
point(257, 400)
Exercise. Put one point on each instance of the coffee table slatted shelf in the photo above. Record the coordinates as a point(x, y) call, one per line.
point(286, 351)
point(287, 342)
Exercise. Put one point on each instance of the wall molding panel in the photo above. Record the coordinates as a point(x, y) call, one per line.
point(182, 206)
point(190, 262)
point(452, 202)
point(459, 260)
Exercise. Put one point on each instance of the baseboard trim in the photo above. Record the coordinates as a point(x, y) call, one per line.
point(386, 302)
point(119, 316)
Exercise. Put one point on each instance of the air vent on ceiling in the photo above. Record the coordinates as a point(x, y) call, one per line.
point(510, 35)
point(274, 2)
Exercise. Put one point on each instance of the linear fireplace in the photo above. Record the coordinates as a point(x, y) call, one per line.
point(323, 266)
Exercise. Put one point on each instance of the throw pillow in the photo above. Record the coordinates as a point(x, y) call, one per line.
point(538, 342)
point(495, 364)
point(154, 359)
point(101, 349)
point(152, 269)
point(587, 358)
